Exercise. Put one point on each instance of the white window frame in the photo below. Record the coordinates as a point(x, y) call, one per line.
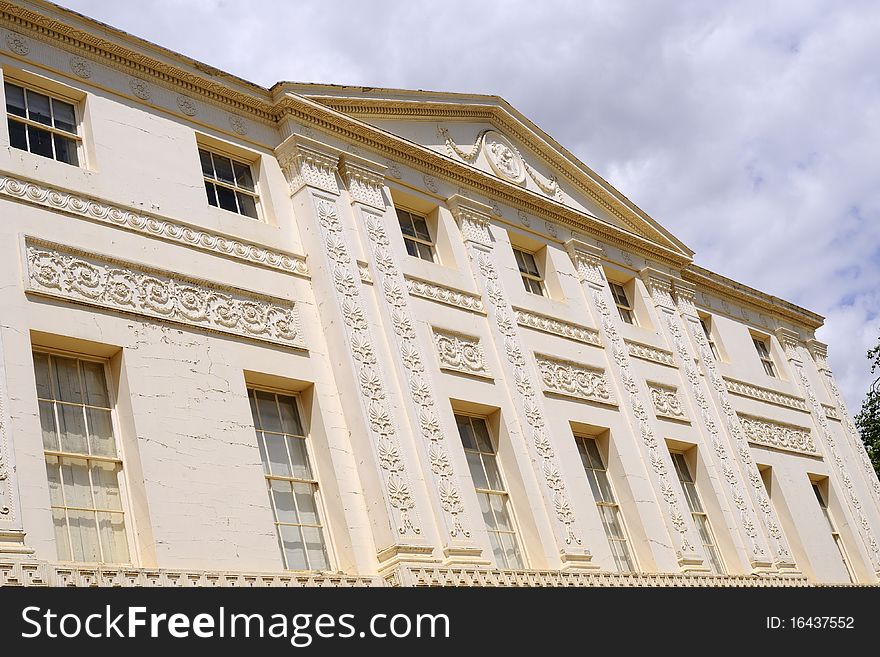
point(234, 187)
point(835, 535)
point(320, 506)
point(124, 497)
point(76, 137)
point(762, 347)
point(625, 307)
point(430, 243)
point(707, 324)
point(711, 548)
point(527, 276)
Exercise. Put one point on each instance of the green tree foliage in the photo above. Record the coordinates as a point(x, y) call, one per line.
point(868, 419)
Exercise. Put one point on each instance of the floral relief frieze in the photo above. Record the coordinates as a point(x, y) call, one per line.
point(165, 229)
point(446, 295)
point(558, 327)
point(647, 352)
point(96, 280)
point(667, 402)
point(752, 391)
point(571, 379)
point(776, 434)
point(460, 353)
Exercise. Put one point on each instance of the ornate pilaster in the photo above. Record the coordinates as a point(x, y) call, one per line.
point(11, 530)
point(311, 170)
point(635, 405)
point(792, 346)
point(473, 220)
point(819, 351)
point(432, 421)
point(729, 449)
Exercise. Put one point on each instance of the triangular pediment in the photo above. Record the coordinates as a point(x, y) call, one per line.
point(487, 134)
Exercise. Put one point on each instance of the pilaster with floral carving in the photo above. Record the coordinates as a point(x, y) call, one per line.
point(635, 405)
point(844, 482)
point(753, 516)
point(473, 220)
point(432, 420)
point(311, 171)
point(819, 351)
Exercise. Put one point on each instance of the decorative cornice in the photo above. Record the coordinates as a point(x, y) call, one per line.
point(752, 391)
point(564, 377)
point(447, 295)
point(59, 200)
point(473, 219)
point(460, 353)
point(364, 179)
point(587, 261)
point(310, 163)
point(819, 351)
point(68, 273)
point(769, 433)
point(558, 327)
point(650, 353)
point(667, 402)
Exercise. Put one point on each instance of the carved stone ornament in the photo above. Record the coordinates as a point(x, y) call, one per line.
point(651, 353)
point(140, 88)
point(100, 281)
point(165, 229)
point(776, 434)
point(17, 43)
point(503, 157)
point(563, 377)
point(447, 295)
point(460, 353)
point(187, 105)
point(752, 391)
point(81, 67)
point(238, 124)
point(667, 402)
point(558, 327)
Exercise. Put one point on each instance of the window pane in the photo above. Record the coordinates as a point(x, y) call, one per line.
point(486, 510)
point(492, 472)
point(475, 464)
point(65, 119)
point(246, 205)
point(270, 420)
point(53, 473)
point(205, 160)
point(498, 550)
point(223, 168)
point(593, 450)
point(226, 198)
point(41, 373)
point(289, 415)
point(40, 141)
point(594, 485)
point(292, 545)
point(412, 248)
point(611, 520)
point(405, 222)
point(481, 432)
point(465, 432)
point(690, 492)
point(500, 507)
point(511, 551)
point(17, 136)
point(305, 502)
point(530, 267)
point(77, 489)
point(73, 429)
point(262, 448)
point(84, 536)
point(105, 478)
point(243, 177)
point(421, 229)
point(14, 99)
point(425, 252)
point(65, 150)
point(62, 541)
point(67, 380)
point(212, 194)
point(604, 486)
point(277, 453)
point(38, 107)
point(703, 528)
point(315, 548)
point(113, 539)
point(47, 423)
point(299, 457)
point(282, 496)
point(95, 384)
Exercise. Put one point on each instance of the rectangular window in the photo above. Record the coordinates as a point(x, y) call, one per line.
point(41, 124)
point(624, 307)
point(494, 501)
point(609, 510)
point(528, 269)
point(82, 461)
point(293, 488)
point(705, 323)
point(834, 533)
point(764, 354)
point(701, 519)
point(416, 235)
point(229, 184)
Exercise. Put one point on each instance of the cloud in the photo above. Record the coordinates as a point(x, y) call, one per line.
point(749, 129)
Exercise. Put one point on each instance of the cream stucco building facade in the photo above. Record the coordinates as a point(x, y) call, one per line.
point(330, 335)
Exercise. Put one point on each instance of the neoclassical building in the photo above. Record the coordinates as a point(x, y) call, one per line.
point(317, 334)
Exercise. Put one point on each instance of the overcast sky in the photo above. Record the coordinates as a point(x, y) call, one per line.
point(750, 129)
